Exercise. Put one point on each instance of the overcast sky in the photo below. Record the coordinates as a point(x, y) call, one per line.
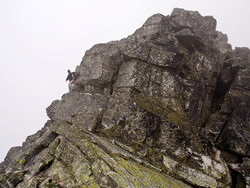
point(41, 39)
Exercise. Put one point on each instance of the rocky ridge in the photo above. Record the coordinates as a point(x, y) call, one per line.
point(168, 106)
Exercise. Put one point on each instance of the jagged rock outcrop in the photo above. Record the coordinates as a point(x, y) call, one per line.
point(167, 106)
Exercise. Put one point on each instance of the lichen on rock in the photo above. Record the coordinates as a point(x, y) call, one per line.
point(168, 106)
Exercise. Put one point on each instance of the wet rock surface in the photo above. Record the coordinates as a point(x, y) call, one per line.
point(168, 106)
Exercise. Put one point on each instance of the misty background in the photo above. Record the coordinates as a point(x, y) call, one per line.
point(40, 40)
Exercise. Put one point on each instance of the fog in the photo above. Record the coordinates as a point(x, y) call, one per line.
point(41, 39)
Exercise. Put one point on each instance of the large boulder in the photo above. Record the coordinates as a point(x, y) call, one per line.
point(168, 106)
point(82, 109)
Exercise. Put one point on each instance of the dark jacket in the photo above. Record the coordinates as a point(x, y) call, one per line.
point(71, 76)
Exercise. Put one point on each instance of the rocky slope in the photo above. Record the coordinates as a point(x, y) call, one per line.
point(167, 106)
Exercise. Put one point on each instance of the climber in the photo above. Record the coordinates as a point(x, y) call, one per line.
point(71, 78)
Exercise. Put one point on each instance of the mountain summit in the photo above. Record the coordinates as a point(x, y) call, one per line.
point(168, 106)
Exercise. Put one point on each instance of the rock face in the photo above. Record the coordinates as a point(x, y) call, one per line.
point(168, 106)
